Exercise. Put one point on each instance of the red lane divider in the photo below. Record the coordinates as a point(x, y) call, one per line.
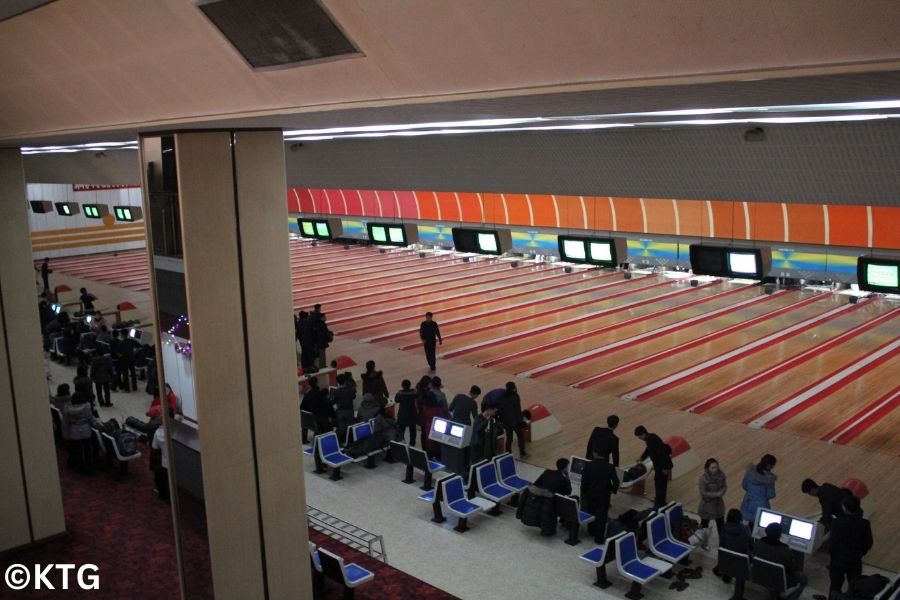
point(717, 362)
point(466, 295)
point(864, 419)
point(715, 399)
point(790, 407)
point(607, 328)
point(663, 354)
point(525, 317)
point(443, 289)
point(573, 321)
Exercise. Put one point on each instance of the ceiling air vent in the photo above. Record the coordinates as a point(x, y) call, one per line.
point(273, 33)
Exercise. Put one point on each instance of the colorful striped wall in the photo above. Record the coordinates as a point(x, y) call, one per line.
point(808, 224)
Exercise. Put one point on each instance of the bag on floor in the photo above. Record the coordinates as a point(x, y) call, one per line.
point(635, 472)
point(126, 442)
point(867, 587)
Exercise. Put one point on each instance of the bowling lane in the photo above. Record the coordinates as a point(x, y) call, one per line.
point(372, 282)
point(545, 283)
point(458, 280)
point(771, 390)
point(817, 420)
point(740, 328)
point(882, 436)
point(612, 329)
point(322, 275)
point(497, 322)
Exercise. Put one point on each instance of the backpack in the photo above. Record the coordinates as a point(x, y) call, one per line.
point(126, 442)
point(866, 587)
point(110, 426)
point(686, 529)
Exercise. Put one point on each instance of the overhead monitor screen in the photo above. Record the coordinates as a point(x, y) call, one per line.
point(308, 227)
point(439, 425)
point(456, 431)
point(91, 211)
point(487, 242)
point(766, 518)
point(801, 529)
point(574, 250)
point(397, 235)
point(123, 214)
point(883, 275)
point(601, 251)
point(379, 234)
point(743, 263)
point(322, 229)
point(65, 209)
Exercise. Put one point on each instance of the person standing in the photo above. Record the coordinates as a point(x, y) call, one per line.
point(406, 410)
point(603, 442)
point(102, 376)
point(851, 539)
point(430, 333)
point(830, 497)
point(87, 301)
point(598, 482)
point(77, 422)
point(463, 408)
point(45, 273)
point(511, 416)
point(322, 336)
point(373, 383)
point(660, 455)
point(759, 485)
point(484, 434)
point(712, 486)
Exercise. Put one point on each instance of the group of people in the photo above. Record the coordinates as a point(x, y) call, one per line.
point(499, 413)
point(314, 338)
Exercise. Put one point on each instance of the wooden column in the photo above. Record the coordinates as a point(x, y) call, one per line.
point(232, 193)
point(30, 499)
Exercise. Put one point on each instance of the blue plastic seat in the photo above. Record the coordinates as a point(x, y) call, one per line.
point(602, 556)
point(488, 486)
point(455, 502)
point(639, 571)
point(509, 475)
point(349, 575)
point(661, 544)
point(329, 453)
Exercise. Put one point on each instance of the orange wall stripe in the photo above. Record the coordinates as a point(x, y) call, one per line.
point(849, 225)
point(542, 208)
point(885, 227)
point(569, 212)
point(807, 223)
point(518, 209)
point(628, 215)
point(369, 203)
point(52, 232)
point(601, 218)
point(449, 206)
point(471, 207)
point(660, 215)
point(493, 208)
point(724, 217)
point(766, 221)
point(690, 216)
point(94, 242)
point(428, 208)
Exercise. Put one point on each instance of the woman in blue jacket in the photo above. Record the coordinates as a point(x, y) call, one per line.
point(759, 485)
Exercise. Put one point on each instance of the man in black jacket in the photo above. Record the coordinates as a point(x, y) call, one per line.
point(660, 455)
point(604, 442)
point(322, 336)
point(598, 482)
point(510, 406)
point(851, 539)
point(430, 334)
point(772, 549)
point(463, 408)
point(556, 482)
point(830, 498)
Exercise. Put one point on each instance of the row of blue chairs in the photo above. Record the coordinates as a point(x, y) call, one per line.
point(327, 564)
point(327, 452)
point(666, 550)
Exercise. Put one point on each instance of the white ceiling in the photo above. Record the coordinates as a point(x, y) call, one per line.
point(91, 70)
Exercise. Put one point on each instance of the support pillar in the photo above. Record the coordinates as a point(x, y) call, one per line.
point(30, 499)
point(231, 193)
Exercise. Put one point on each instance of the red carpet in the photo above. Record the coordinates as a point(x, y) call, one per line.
point(120, 526)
